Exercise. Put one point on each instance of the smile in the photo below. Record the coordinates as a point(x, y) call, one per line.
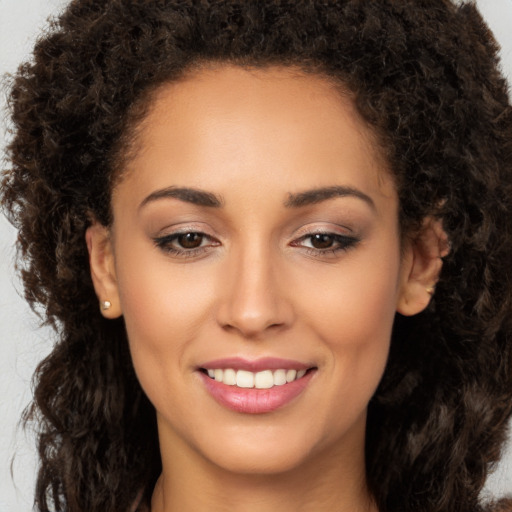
point(265, 379)
point(255, 387)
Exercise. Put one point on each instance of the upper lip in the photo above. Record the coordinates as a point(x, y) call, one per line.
point(256, 365)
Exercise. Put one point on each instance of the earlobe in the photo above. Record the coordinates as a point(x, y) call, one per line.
point(421, 266)
point(101, 261)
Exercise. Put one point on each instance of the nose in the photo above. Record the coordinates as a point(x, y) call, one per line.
point(253, 300)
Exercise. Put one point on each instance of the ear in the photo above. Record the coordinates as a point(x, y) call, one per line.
point(421, 266)
point(101, 260)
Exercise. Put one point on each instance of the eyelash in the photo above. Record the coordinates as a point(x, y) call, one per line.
point(165, 243)
point(342, 243)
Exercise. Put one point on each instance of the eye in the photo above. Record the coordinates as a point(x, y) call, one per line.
point(186, 244)
point(325, 243)
point(190, 240)
point(322, 240)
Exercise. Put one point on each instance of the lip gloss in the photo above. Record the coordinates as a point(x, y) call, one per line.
point(253, 400)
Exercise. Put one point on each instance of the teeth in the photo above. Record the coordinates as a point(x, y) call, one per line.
point(229, 377)
point(279, 377)
point(264, 380)
point(290, 375)
point(260, 380)
point(244, 379)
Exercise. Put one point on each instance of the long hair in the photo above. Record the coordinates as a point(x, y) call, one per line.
point(424, 76)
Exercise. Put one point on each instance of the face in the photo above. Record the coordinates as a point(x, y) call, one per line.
point(255, 256)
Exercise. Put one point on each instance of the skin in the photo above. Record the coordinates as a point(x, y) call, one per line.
point(257, 286)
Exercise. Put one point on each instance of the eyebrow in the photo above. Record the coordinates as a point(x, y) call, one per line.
point(188, 195)
point(318, 195)
point(210, 200)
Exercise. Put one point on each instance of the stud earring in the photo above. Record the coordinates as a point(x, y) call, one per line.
point(431, 289)
point(105, 304)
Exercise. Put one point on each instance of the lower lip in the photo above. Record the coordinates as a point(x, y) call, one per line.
point(252, 400)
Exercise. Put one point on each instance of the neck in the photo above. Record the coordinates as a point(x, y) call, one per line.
point(191, 483)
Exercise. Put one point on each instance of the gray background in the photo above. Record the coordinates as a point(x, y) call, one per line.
point(23, 343)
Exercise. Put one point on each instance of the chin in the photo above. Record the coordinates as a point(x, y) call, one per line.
point(260, 459)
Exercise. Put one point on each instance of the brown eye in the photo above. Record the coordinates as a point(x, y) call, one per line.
point(322, 241)
point(325, 244)
point(187, 244)
point(190, 240)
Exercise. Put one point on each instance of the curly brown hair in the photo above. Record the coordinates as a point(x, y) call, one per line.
point(425, 78)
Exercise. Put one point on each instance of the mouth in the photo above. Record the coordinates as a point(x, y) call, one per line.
point(255, 387)
point(265, 379)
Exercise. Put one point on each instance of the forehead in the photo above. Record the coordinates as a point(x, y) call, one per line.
point(220, 124)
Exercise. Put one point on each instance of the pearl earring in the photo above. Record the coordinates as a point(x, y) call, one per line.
point(105, 304)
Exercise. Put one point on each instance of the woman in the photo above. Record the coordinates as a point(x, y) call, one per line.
point(274, 240)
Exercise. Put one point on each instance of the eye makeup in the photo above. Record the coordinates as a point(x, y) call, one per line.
point(325, 243)
point(185, 244)
point(189, 243)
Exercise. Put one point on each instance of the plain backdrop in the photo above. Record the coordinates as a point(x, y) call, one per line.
point(23, 343)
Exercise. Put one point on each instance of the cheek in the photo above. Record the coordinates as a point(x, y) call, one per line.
point(356, 304)
point(163, 308)
point(353, 312)
point(157, 295)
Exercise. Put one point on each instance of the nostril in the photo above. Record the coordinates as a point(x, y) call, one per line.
point(254, 311)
